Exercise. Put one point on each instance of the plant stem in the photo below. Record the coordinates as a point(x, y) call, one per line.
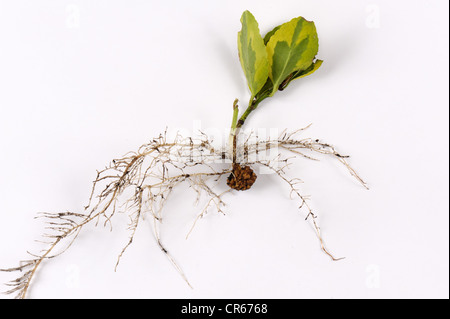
point(235, 114)
point(237, 124)
point(233, 131)
point(252, 105)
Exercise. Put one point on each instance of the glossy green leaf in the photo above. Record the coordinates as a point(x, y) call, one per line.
point(252, 53)
point(291, 48)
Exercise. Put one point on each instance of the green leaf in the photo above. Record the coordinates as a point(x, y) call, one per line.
point(291, 48)
point(313, 68)
point(270, 34)
point(252, 54)
point(300, 74)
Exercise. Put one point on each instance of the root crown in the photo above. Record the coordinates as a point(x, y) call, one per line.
point(241, 178)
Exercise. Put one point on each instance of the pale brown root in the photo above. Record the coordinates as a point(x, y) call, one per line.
point(303, 203)
point(218, 202)
point(169, 256)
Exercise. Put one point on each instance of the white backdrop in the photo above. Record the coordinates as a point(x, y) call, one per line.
point(82, 82)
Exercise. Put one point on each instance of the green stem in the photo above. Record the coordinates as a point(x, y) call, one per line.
point(235, 114)
point(252, 105)
point(232, 138)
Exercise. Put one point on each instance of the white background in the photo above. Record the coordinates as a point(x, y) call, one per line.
point(82, 82)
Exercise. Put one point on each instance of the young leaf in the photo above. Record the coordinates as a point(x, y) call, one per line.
point(252, 53)
point(291, 48)
point(300, 74)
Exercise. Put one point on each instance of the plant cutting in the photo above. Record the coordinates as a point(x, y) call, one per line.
point(141, 182)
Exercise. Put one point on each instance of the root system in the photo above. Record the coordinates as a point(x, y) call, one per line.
point(150, 175)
